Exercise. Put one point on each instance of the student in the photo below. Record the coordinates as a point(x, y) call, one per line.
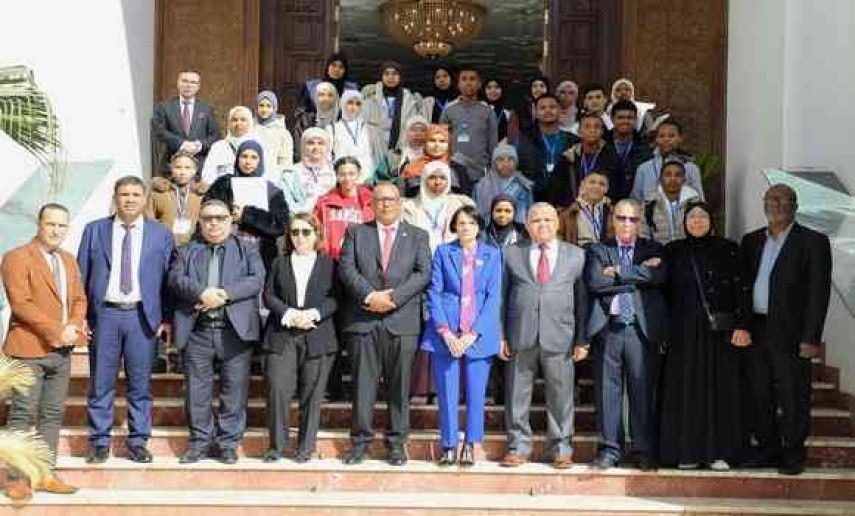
point(567, 93)
point(504, 178)
point(665, 207)
point(271, 132)
point(628, 144)
point(346, 204)
point(175, 202)
point(624, 90)
point(586, 221)
point(221, 159)
point(335, 73)
point(313, 176)
point(325, 116)
point(473, 125)
point(436, 149)
point(493, 91)
point(388, 106)
point(527, 115)
point(350, 135)
point(541, 147)
point(669, 137)
point(441, 94)
point(411, 148)
point(594, 102)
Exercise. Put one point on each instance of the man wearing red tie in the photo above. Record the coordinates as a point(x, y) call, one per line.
point(48, 318)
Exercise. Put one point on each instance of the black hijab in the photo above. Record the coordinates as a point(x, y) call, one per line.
point(704, 240)
point(338, 83)
point(498, 105)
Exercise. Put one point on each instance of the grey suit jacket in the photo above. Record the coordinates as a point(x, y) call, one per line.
point(361, 272)
point(553, 315)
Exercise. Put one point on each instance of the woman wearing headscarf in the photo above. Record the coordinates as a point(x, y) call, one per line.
point(709, 316)
point(504, 178)
point(442, 92)
point(350, 135)
point(567, 93)
point(272, 133)
point(388, 106)
point(437, 148)
point(313, 176)
point(256, 224)
point(221, 158)
point(335, 73)
point(411, 147)
point(325, 115)
point(493, 92)
point(502, 228)
point(624, 89)
point(537, 87)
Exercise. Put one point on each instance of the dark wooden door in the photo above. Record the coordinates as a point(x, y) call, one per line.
point(297, 36)
point(584, 40)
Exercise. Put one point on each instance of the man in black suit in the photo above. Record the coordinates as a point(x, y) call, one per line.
point(216, 282)
point(385, 267)
point(789, 267)
point(627, 319)
point(184, 123)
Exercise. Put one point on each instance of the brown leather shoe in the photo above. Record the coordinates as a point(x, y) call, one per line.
point(562, 462)
point(18, 490)
point(513, 460)
point(56, 486)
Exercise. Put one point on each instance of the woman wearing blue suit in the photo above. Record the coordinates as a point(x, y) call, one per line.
point(464, 297)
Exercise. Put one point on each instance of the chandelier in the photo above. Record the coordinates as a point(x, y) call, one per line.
point(433, 28)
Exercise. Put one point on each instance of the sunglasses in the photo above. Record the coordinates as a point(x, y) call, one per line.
point(302, 232)
point(625, 219)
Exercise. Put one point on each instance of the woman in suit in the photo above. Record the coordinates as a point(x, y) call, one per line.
point(300, 339)
point(464, 297)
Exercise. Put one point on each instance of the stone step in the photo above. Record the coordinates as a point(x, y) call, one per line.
point(171, 412)
point(826, 452)
point(486, 477)
point(156, 502)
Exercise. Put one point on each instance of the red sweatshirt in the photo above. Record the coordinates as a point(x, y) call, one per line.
point(336, 212)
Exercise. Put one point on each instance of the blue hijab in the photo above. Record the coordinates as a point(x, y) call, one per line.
point(250, 145)
point(274, 102)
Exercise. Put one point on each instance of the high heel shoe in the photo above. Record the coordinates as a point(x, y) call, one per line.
point(449, 455)
point(467, 455)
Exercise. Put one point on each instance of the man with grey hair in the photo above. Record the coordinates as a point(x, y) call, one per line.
point(545, 312)
point(627, 322)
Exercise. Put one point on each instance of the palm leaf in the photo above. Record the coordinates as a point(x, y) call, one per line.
point(15, 376)
point(26, 452)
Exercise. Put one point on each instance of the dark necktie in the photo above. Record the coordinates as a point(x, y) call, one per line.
point(543, 265)
point(185, 117)
point(627, 312)
point(214, 266)
point(126, 281)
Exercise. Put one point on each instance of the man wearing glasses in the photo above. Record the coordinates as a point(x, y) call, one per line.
point(385, 267)
point(627, 320)
point(216, 283)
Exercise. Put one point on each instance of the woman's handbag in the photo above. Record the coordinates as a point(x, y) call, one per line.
point(719, 321)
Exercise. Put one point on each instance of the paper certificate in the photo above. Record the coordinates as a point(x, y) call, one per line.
point(250, 191)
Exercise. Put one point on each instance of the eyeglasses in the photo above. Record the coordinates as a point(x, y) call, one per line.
point(627, 219)
point(214, 219)
point(302, 232)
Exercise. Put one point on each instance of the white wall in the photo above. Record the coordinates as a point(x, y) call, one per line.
point(790, 104)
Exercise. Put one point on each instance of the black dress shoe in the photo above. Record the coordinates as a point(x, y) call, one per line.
point(356, 455)
point(192, 456)
point(228, 456)
point(603, 462)
point(791, 467)
point(397, 456)
point(272, 456)
point(302, 457)
point(645, 463)
point(449, 455)
point(139, 454)
point(467, 455)
point(97, 455)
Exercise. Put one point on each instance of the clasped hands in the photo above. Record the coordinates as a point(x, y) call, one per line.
point(191, 147)
point(301, 319)
point(614, 270)
point(70, 334)
point(380, 301)
point(457, 345)
point(211, 298)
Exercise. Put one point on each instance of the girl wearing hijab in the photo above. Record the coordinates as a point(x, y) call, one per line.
point(253, 223)
point(313, 176)
point(443, 92)
point(350, 135)
point(504, 178)
point(701, 395)
point(503, 229)
point(537, 87)
point(388, 107)
point(221, 158)
point(335, 73)
point(624, 89)
point(411, 147)
point(567, 93)
point(436, 149)
point(325, 116)
point(273, 135)
point(493, 92)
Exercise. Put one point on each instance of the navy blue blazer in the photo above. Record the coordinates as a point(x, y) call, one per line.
point(443, 298)
point(242, 278)
point(94, 256)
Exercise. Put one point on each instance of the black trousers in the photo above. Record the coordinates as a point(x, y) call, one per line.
point(375, 354)
point(284, 372)
point(780, 385)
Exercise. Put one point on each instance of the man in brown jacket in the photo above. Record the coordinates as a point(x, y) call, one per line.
point(48, 319)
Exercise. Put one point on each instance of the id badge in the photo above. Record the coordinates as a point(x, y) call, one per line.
point(463, 137)
point(182, 226)
point(550, 167)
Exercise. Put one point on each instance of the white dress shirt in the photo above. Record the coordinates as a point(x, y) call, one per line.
point(551, 255)
point(302, 265)
point(63, 280)
point(114, 291)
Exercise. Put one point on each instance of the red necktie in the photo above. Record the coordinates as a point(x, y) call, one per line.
point(388, 240)
point(185, 118)
point(543, 265)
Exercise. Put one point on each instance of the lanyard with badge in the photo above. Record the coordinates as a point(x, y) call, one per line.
point(595, 217)
point(624, 156)
point(551, 151)
point(353, 135)
point(463, 133)
point(590, 166)
point(182, 224)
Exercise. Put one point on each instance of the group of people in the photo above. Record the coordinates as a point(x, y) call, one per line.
point(456, 250)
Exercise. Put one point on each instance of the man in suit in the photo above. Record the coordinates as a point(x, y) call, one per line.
point(627, 319)
point(384, 267)
point(123, 261)
point(546, 308)
point(789, 267)
point(216, 283)
point(48, 318)
point(185, 123)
